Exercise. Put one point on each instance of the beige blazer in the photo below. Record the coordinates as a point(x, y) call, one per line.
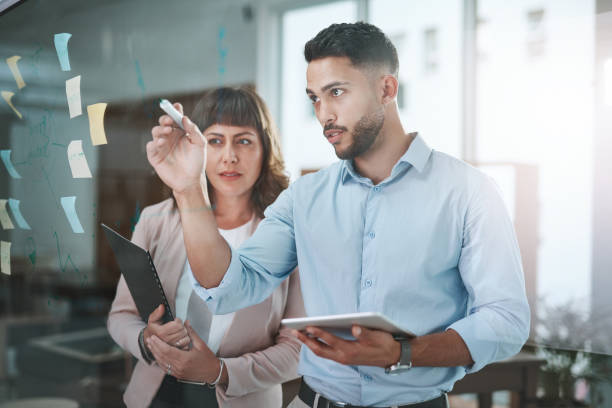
point(258, 354)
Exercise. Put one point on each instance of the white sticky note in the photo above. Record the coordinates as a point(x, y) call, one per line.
point(70, 210)
point(7, 97)
point(12, 63)
point(5, 257)
point(73, 94)
point(5, 220)
point(95, 113)
point(77, 160)
point(21, 222)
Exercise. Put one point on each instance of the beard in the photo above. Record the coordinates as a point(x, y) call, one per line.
point(365, 133)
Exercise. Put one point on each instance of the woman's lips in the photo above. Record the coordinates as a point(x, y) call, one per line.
point(230, 175)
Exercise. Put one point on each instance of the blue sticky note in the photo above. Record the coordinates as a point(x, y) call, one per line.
point(6, 158)
point(70, 210)
point(61, 47)
point(14, 204)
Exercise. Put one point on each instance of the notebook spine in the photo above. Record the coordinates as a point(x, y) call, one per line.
point(159, 285)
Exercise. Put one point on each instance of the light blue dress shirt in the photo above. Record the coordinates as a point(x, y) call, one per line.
point(432, 247)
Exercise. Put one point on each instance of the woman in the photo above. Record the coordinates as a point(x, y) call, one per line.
point(245, 354)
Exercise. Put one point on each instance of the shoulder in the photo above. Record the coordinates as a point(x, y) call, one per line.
point(458, 173)
point(316, 181)
point(159, 215)
point(304, 188)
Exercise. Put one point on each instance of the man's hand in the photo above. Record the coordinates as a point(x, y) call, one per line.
point(173, 333)
point(370, 347)
point(178, 156)
point(198, 364)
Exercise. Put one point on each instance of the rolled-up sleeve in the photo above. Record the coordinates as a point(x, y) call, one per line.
point(259, 265)
point(498, 321)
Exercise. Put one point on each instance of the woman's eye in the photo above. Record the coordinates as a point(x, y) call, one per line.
point(314, 99)
point(214, 140)
point(244, 141)
point(337, 92)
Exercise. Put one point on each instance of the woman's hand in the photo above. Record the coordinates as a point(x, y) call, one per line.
point(173, 333)
point(198, 364)
point(178, 156)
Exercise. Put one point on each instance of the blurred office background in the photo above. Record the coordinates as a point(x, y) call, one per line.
point(521, 89)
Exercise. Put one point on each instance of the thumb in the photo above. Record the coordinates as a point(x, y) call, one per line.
point(360, 333)
point(156, 314)
point(198, 343)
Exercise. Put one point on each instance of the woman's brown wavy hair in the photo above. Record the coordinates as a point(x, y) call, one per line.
point(243, 107)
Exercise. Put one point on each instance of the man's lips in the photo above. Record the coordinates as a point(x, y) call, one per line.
point(333, 135)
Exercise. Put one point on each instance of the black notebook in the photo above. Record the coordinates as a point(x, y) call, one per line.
point(140, 275)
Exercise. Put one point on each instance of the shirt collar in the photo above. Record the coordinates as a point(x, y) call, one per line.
point(417, 155)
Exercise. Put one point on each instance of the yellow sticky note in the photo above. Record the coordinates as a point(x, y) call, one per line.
point(5, 220)
point(7, 97)
point(5, 257)
point(12, 63)
point(96, 123)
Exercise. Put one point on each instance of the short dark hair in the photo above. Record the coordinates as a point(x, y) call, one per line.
point(244, 107)
point(364, 44)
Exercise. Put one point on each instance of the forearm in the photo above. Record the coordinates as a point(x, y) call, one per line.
point(445, 349)
point(265, 368)
point(208, 253)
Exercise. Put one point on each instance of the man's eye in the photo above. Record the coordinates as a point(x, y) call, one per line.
point(337, 92)
point(314, 99)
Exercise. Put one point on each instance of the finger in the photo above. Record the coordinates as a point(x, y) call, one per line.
point(161, 131)
point(152, 153)
point(327, 337)
point(156, 314)
point(166, 120)
point(168, 354)
point(178, 107)
point(362, 333)
point(173, 332)
point(197, 341)
point(317, 347)
point(182, 343)
point(193, 132)
point(173, 339)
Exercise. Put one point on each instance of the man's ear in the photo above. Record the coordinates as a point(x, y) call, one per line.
point(389, 87)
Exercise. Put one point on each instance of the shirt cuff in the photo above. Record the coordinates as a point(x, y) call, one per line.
point(480, 339)
point(211, 295)
point(234, 387)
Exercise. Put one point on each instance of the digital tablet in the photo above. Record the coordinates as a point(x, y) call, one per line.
point(344, 322)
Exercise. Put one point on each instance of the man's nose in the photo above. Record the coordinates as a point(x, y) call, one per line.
point(326, 114)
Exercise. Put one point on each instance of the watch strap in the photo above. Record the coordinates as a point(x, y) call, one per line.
point(406, 353)
point(144, 351)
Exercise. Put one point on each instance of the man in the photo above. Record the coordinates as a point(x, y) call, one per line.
point(394, 227)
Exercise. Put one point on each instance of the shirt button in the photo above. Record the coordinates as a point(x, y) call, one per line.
point(367, 377)
point(371, 235)
point(367, 283)
point(377, 189)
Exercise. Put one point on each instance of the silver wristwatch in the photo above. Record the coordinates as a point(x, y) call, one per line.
point(405, 361)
